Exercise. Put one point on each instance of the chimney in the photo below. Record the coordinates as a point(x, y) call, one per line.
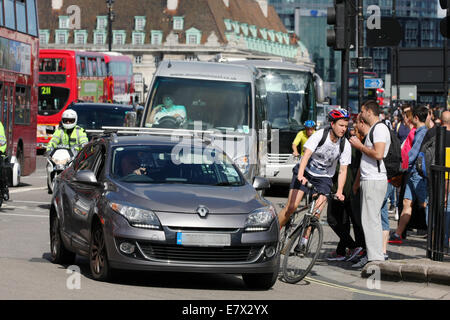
point(172, 5)
point(227, 3)
point(264, 7)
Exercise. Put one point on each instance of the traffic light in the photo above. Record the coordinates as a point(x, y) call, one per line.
point(336, 18)
point(445, 22)
point(343, 19)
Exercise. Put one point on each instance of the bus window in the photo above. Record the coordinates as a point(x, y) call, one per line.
point(93, 62)
point(99, 68)
point(22, 107)
point(89, 70)
point(83, 69)
point(1, 12)
point(104, 67)
point(10, 17)
point(21, 16)
point(31, 17)
point(52, 65)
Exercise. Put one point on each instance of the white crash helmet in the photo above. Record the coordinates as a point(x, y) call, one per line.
point(69, 119)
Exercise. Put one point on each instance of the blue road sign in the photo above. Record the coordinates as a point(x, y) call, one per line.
point(373, 83)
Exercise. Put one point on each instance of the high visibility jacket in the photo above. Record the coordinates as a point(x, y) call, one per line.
point(61, 139)
point(3, 140)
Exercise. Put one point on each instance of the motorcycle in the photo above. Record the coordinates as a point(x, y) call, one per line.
point(57, 161)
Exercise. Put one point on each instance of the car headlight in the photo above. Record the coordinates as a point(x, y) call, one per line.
point(242, 163)
point(138, 218)
point(260, 219)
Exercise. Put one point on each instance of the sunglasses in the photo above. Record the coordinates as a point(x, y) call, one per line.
point(68, 120)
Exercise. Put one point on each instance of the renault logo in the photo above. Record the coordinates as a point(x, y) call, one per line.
point(202, 211)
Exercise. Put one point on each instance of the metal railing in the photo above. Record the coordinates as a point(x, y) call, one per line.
point(439, 213)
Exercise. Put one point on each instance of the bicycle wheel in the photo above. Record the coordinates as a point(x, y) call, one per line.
point(296, 265)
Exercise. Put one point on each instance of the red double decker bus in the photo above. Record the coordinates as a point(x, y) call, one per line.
point(19, 50)
point(66, 76)
point(120, 67)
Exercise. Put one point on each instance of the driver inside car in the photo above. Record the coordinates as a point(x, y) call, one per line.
point(130, 164)
point(168, 109)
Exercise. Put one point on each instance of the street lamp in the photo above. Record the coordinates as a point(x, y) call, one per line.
point(109, 5)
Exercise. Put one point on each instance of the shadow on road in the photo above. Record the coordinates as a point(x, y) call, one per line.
point(174, 280)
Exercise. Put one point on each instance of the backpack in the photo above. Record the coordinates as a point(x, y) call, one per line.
point(426, 158)
point(326, 130)
point(393, 159)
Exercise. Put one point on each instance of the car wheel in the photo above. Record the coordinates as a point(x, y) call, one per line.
point(98, 259)
point(59, 253)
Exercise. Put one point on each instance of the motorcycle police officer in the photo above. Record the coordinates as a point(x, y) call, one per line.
point(70, 135)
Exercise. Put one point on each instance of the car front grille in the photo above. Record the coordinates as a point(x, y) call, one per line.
point(200, 254)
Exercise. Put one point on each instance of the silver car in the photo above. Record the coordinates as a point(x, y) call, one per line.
point(149, 203)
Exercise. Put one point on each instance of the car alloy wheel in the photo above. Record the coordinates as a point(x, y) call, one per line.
point(98, 258)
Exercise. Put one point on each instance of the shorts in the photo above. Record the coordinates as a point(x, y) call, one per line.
point(416, 187)
point(322, 184)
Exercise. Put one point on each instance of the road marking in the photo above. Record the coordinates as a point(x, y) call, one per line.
point(371, 293)
point(26, 201)
point(23, 215)
point(26, 189)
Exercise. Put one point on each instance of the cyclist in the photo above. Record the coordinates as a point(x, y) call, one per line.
point(70, 135)
point(302, 137)
point(3, 144)
point(318, 166)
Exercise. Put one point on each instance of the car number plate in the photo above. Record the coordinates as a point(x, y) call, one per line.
point(203, 239)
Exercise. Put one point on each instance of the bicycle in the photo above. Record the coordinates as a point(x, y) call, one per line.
point(299, 260)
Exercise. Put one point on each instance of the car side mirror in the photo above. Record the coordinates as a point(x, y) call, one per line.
point(319, 87)
point(87, 177)
point(260, 183)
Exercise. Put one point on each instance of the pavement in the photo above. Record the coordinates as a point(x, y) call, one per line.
point(408, 262)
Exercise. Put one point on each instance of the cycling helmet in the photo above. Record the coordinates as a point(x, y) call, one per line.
point(69, 119)
point(337, 114)
point(309, 124)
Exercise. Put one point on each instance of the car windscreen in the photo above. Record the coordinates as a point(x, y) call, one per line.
point(51, 99)
point(173, 165)
point(208, 104)
point(92, 117)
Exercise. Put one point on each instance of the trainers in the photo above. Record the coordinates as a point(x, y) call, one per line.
point(364, 260)
point(354, 253)
point(394, 238)
point(335, 257)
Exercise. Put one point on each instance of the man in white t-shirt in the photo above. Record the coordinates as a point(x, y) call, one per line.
point(373, 181)
point(318, 165)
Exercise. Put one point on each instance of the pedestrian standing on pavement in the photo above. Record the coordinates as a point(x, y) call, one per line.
point(416, 185)
point(373, 181)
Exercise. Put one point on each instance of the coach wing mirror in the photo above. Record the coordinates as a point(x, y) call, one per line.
point(319, 87)
point(260, 183)
point(130, 119)
point(87, 177)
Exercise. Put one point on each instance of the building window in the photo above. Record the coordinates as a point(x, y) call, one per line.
point(102, 22)
point(80, 37)
point(138, 37)
point(139, 23)
point(193, 36)
point(138, 59)
point(178, 23)
point(156, 37)
point(227, 24)
point(99, 38)
point(119, 37)
point(63, 22)
point(61, 37)
point(44, 35)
